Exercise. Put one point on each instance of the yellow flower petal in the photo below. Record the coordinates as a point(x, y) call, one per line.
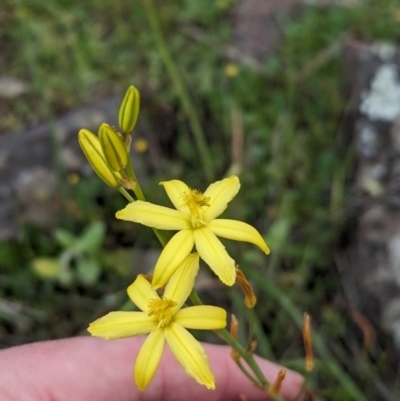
point(181, 283)
point(221, 193)
point(202, 317)
point(238, 231)
point(149, 358)
point(156, 216)
point(190, 354)
point(140, 292)
point(214, 254)
point(174, 190)
point(116, 325)
point(174, 253)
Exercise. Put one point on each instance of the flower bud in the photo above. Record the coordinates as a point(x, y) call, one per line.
point(309, 363)
point(114, 149)
point(275, 387)
point(250, 299)
point(129, 110)
point(91, 147)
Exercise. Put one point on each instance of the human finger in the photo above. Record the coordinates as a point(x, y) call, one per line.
point(86, 369)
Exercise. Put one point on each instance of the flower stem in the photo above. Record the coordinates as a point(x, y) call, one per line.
point(126, 194)
point(182, 92)
point(194, 297)
point(248, 358)
point(262, 382)
point(138, 189)
point(251, 327)
point(246, 373)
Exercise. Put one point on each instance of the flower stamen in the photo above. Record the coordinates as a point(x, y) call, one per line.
point(162, 309)
point(194, 200)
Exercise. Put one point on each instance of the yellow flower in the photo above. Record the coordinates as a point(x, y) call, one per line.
point(195, 218)
point(166, 322)
point(231, 70)
point(141, 145)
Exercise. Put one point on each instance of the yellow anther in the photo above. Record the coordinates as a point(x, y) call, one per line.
point(194, 200)
point(162, 309)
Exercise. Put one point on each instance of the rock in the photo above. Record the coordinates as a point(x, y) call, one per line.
point(28, 179)
point(11, 87)
point(29, 159)
point(373, 270)
point(256, 28)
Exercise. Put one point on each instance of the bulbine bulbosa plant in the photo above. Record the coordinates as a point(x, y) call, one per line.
point(168, 304)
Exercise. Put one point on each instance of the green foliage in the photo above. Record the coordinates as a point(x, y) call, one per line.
point(77, 261)
point(10, 255)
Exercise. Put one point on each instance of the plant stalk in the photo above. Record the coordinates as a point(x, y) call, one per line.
point(181, 90)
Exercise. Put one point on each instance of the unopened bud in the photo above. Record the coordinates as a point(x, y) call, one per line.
point(91, 147)
point(250, 299)
point(275, 387)
point(113, 147)
point(309, 364)
point(129, 110)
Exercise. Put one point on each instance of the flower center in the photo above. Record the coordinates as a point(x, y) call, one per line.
point(162, 310)
point(195, 201)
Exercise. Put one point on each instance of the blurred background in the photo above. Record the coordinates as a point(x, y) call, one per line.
point(301, 99)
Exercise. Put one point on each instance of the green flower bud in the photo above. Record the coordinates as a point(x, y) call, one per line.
point(91, 147)
point(114, 149)
point(129, 110)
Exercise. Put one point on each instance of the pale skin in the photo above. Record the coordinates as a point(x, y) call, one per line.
point(92, 369)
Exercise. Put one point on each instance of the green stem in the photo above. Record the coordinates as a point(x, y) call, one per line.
point(246, 373)
point(249, 359)
point(194, 297)
point(138, 189)
point(251, 327)
point(262, 382)
point(182, 92)
point(126, 194)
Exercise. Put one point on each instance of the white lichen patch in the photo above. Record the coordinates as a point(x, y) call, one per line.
point(368, 142)
point(384, 50)
point(382, 101)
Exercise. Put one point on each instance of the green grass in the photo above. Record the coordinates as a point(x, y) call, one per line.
point(294, 176)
